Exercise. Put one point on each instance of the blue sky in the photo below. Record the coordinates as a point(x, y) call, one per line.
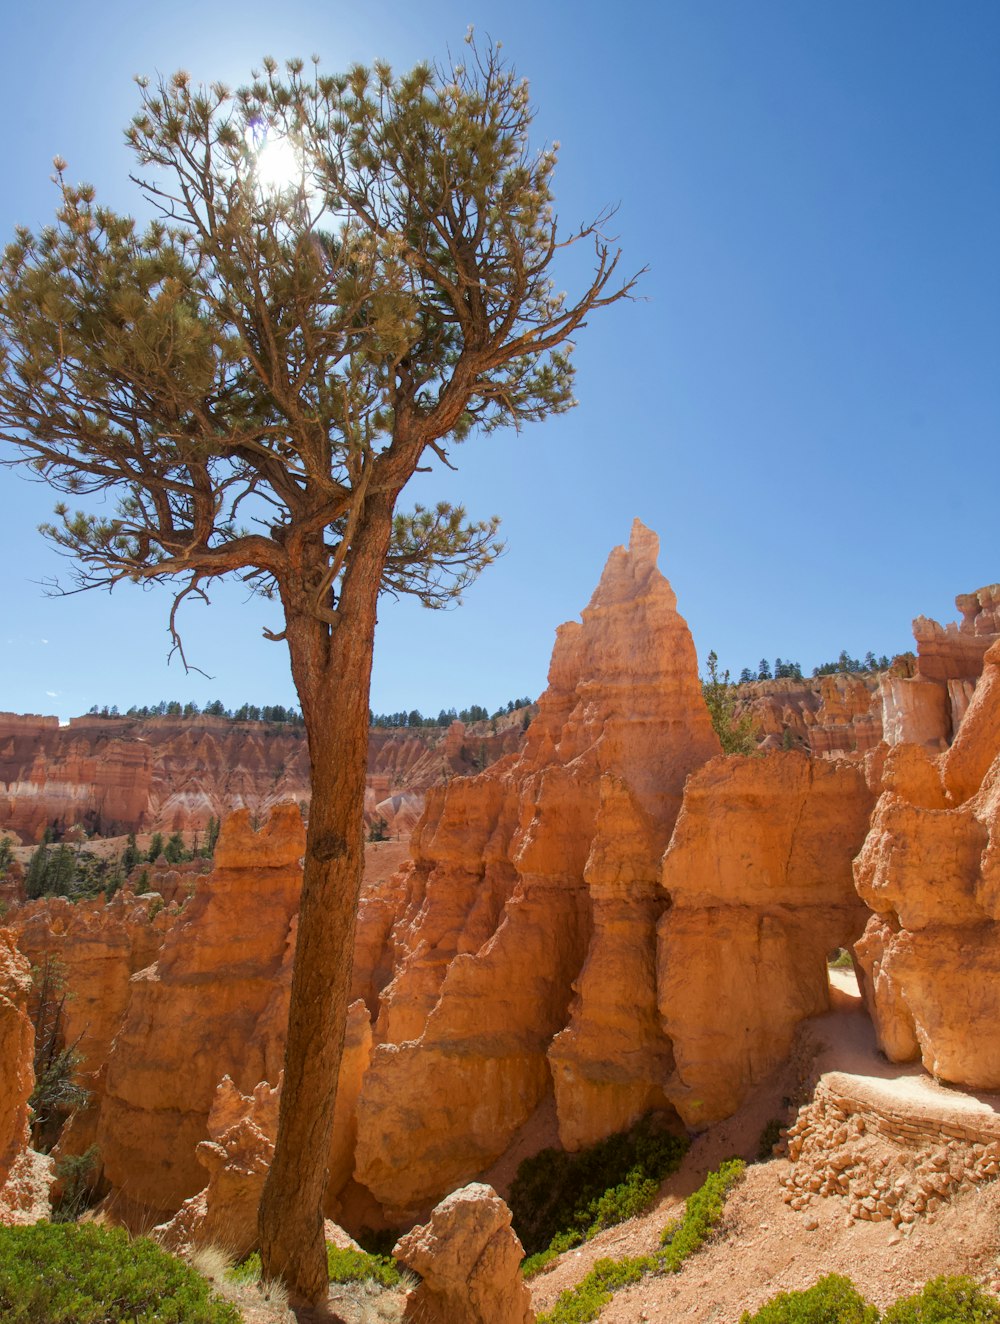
point(805, 405)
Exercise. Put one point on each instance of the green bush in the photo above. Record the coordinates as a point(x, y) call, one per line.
point(701, 1213)
point(343, 1266)
point(833, 1300)
point(357, 1266)
point(556, 1194)
point(946, 1301)
point(679, 1240)
point(71, 1273)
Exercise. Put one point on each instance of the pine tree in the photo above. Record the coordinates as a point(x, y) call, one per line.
point(175, 850)
point(131, 855)
point(736, 734)
point(211, 837)
point(302, 349)
point(35, 878)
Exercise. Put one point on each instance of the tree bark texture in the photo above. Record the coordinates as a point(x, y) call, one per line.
point(332, 672)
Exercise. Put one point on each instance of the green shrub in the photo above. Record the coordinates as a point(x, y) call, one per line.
point(701, 1213)
point(946, 1301)
point(71, 1273)
point(343, 1266)
point(586, 1301)
point(679, 1239)
point(833, 1300)
point(560, 1243)
point(841, 960)
point(357, 1266)
point(555, 1193)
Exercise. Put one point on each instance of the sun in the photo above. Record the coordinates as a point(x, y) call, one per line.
point(278, 166)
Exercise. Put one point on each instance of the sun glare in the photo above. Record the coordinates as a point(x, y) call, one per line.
point(278, 166)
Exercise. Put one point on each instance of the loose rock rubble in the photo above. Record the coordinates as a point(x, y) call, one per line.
point(885, 1167)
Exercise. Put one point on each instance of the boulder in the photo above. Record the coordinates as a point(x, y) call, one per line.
point(468, 1257)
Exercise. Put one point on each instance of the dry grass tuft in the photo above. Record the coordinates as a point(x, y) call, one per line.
point(258, 1301)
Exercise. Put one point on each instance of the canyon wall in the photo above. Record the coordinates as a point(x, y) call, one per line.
point(759, 875)
point(112, 776)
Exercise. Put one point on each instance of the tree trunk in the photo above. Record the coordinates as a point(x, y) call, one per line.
point(332, 672)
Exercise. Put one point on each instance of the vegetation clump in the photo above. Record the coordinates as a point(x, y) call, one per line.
point(72, 1273)
point(76, 1174)
point(57, 1092)
point(558, 1200)
point(869, 665)
point(474, 713)
point(946, 1300)
point(343, 1266)
point(679, 1239)
point(835, 1300)
point(247, 712)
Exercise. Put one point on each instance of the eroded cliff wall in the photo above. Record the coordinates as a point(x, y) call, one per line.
point(112, 776)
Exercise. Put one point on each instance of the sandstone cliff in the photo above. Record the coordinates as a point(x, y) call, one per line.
point(759, 876)
point(92, 950)
point(930, 869)
point(826, 715)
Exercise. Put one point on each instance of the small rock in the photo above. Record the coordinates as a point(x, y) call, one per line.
point(811, 1224)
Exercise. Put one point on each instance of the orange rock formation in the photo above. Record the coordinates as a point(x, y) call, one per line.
point(199, 1012)
point(930, 869)
point(96, 949)
point(529, 883)
point(236, 1156)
